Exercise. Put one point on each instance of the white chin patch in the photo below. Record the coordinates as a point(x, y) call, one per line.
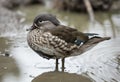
point(35, 25)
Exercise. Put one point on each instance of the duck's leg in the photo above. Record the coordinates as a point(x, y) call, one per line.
point(63, 64)
point(56, 68)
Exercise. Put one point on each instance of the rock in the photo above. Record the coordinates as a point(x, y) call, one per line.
point(61, 77)
point(7, 54)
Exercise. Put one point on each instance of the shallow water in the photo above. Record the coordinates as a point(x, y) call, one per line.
point(101, 64)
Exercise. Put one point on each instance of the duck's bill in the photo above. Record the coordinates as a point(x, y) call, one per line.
point(32, 27)
point(28, 29)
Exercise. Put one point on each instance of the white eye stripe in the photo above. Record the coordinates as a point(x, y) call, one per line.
point(40, 22)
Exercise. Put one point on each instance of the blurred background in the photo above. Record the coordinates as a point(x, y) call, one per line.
point(18, 63)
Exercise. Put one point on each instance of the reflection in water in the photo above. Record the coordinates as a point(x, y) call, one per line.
point(109, 23)
point(112, 26)
point(102, 63)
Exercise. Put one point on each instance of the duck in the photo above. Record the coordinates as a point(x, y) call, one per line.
point(52, 40)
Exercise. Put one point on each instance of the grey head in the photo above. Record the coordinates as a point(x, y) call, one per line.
point(40, 19)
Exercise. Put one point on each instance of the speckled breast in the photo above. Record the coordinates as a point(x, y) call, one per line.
point(40, 42)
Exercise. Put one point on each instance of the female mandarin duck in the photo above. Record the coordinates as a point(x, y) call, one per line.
point(54, 41)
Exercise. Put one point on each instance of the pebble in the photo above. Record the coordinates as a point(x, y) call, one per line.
point(7, 54)
point(31, 76)
point(5, 68)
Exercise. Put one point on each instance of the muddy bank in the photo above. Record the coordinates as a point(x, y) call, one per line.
point(8, 66)
point(79, 5)
point(60, 77)
point(11, 4)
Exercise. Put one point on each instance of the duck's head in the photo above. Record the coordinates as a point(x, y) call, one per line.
point(40, 19)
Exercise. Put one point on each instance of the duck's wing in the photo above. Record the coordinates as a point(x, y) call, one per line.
point(68, 34)
point(63, 33)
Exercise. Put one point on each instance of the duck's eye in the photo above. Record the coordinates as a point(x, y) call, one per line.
point(39, 22)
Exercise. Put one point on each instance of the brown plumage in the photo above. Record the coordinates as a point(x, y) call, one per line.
point(51, 40)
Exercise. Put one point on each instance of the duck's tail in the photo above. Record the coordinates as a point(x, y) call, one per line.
point(89, 45)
